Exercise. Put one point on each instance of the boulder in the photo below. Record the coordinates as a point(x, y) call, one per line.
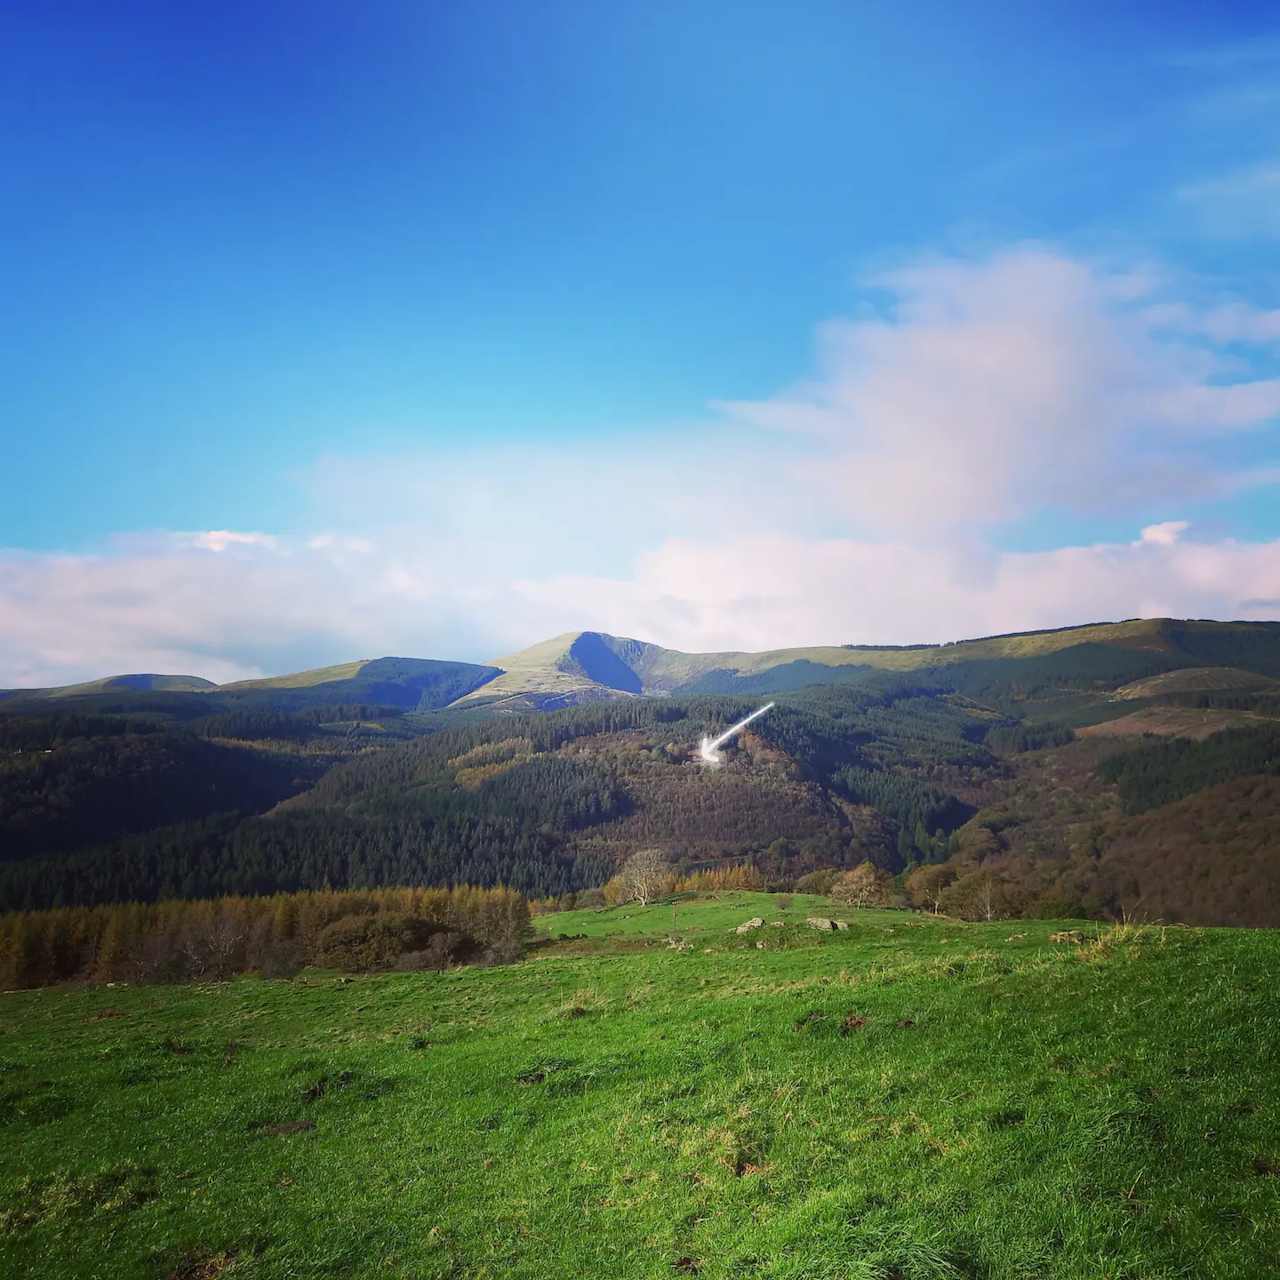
point(821, 922)
point(756, 922)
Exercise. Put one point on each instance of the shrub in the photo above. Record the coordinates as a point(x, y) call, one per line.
point(360, 942)
point(441, 950)
point(819, 881)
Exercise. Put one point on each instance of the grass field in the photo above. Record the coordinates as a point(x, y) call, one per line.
point(912, 1098)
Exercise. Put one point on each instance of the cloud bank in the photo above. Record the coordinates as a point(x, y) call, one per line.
point(867, 504)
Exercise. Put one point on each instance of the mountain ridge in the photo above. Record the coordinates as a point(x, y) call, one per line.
point(590, 665)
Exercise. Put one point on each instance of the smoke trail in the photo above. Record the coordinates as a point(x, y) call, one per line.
point(708, 751)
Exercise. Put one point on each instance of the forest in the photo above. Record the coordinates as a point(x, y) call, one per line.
point(138, 796)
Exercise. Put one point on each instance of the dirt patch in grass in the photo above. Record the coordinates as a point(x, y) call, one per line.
point(203, 1267)
point(538, 1073)
point(67, 1197)
point(284, 1129)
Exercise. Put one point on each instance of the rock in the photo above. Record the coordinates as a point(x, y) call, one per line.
point(756, 922)
point(776, 924)
point(821, 922)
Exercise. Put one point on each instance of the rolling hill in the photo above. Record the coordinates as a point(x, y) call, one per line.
point(145, 683)
point(590, 665)
point(547, 768)
point(1132, 660)
point(407, 684)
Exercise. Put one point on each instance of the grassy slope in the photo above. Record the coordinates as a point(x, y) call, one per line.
point(1175, 722)
point(304, 679)
point(1194, 680)
point(1008, 1108)
point(547, 668)
point(119, 684)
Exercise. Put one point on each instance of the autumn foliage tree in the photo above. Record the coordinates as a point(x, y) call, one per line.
point(925, 885)
point(865, 886)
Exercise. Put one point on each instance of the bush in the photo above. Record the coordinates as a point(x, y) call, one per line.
point(505, 951)
point(375, 941)
point(819, 881)
point(442, 949)
point(281, 959)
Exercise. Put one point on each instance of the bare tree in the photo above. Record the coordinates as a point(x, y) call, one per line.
point(926, 884)
point(645, 876)
point(864, 886)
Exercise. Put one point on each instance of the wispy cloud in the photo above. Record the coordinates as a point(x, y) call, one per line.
point(1244, 203)
point(1000, 385)
point(859, 505)
point(220, 540)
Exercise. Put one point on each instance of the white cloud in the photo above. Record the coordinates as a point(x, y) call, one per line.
point(998, 386)
point(856, 507)
point(220, 539)
point(779, 592)
point(173, 609)
point(338, 544)
point(1165, 534)
point(1223, 323)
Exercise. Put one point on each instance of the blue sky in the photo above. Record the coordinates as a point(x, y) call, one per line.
point(488, 283)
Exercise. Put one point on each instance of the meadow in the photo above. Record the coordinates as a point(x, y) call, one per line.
point(650, 1094)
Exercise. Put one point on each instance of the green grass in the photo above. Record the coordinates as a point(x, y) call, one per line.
point(910, 1099)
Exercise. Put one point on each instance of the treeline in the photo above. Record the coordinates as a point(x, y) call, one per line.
point(1265, 702)
point(295, 851)
point(45, 732)
point(263, 724)
point(175, 941)
point(94, 789)
point(1177, 767)
point(1014, 737)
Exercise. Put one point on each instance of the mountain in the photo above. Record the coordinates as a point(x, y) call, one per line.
point(545, 769)
point(591, 665)
point(1135, 659)
point(407, 684)
point(116, 684)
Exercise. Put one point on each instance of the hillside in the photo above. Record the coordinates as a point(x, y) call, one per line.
point(1195, 680)
point(867, 1104)
point(961, 755)
point(115, 684)
point(408, 684)
point(551, 803)
point(1137, 659)
point(588, 665)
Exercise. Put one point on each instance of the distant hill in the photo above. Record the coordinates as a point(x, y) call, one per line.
point(117, 684)
point(586, 666)
point(408, 684)
point(1133, 660)
point(546, 768)
point(1195, 680)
